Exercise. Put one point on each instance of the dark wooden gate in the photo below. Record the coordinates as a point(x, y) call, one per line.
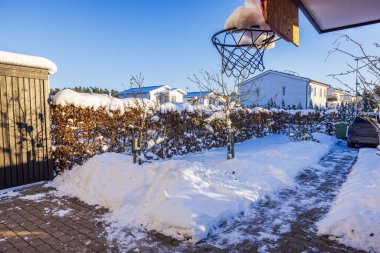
point(25, 155)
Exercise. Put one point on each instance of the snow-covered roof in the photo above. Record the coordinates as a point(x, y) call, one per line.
point(197, 94)
point(320, 83)
point(27, 61)
point(174, 89)
point(142, 90)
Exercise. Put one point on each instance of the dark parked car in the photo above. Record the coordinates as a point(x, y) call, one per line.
point(362, 132)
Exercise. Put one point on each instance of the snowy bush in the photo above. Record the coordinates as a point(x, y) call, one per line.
point(79, 133)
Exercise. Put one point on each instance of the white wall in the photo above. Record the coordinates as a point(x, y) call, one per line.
point(178, 96)
point(270, 85)
point(173, 96)
point(319, 94)
point(154, 93)
point(199, 100)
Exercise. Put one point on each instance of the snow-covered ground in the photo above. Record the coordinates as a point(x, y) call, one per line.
point(188, 196)
point(354, 218)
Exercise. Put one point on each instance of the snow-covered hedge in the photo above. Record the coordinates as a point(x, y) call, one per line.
point(86, 125)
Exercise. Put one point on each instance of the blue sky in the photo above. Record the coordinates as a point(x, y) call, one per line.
point(101, 43)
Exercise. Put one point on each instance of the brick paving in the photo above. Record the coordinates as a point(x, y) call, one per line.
point(39, 221)
point(286, 222)
point(50, 224)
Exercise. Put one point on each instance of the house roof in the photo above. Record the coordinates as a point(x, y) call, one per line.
point(320, 83)
point(175, 89)
point(285, 74)
point(197, 94)
point(142, 90)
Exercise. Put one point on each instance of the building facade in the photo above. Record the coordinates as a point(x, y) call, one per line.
point(336, 97)
point(205, 98)
point(283, 90)
point(157, 94)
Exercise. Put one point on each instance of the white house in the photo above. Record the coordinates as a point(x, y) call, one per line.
point(202, 98)
point(157, 94)
point(283, 89)
point(336, 97)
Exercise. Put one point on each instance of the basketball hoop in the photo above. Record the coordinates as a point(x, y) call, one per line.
point(242, 50)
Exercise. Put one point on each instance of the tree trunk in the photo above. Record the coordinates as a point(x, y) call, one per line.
point(230, 147)
point(230, 137)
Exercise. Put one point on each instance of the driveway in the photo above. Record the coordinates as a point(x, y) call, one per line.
point(36, 219)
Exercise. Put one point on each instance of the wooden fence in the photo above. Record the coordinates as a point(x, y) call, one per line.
point(24, 126)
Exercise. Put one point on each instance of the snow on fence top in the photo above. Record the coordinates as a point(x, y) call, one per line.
point(27, 61)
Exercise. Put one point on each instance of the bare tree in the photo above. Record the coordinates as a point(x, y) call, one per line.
point(367, 68)
point(144, 110)
point(229, 94)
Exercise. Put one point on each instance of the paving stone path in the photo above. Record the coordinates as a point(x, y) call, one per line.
point(37, 220)
point(286, 222)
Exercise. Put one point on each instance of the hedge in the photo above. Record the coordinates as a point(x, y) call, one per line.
point(80, 133)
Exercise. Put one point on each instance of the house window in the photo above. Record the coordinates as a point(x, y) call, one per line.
point(173, 99)
point(320, 92)
point(283, 90)
point(166, 99)
point(314, 92)
point(258, 92)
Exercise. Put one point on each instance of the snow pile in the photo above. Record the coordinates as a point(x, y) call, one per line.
point(258, 110)
point(187, 197)
point(176, 107)
point(69, 97)
point(303, 112)
point(354, 218)
point(186, 107)
point(27, 61)
point(8, 194)
point(62, 213)
point(35, 197)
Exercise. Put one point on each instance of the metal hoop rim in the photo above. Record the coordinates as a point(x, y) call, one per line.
point(217, 42)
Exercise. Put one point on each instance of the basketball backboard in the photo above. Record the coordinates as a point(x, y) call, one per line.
point(282, 17)
point(334, 15)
